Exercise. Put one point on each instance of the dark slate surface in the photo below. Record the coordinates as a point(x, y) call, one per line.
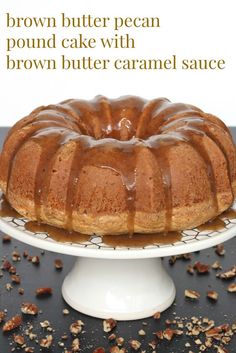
point(223, 311)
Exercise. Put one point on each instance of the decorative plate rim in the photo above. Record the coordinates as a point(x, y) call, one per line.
point(192, 240)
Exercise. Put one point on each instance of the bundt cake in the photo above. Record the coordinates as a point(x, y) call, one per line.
point(118, 166)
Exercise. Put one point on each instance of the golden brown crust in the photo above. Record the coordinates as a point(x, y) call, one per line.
point(116, 223)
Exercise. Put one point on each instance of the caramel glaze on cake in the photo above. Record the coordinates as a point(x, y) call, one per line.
point(118, 166)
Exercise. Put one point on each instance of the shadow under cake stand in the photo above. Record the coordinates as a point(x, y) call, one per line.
point(119, 282)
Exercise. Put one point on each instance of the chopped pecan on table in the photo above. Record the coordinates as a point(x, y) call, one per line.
point(109, 325)
point(76, 327)
point(44, 291)
point(201, 268)
point(99, 350)
point(212, 294)
point(231, 273)
point(15, 279)
point(21, 291)
point(116, 349)
point(29, 309)
point(29, 349)
point(120, 341)
point(2, 316)
point(220, 250)
point(157, 315)
point(18, 339)
point(111, 337)
point(190, 293)
point(232, 288)
point(6, 238)
point(135, 344)
point(15, 256)
point(65, 312)
point(13, 323)
point(35, 260)
point(216, 265)
point(46, 342)
point(75, 345)
point(58, 264)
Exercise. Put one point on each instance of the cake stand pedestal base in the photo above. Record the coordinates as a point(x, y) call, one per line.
point(119, 289)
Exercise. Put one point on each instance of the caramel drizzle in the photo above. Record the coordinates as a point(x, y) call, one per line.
point(75, 170)
point(219, 144)
point(5, 208)
point(58, 234)
point(160, 147)
point(129, 182)
point(38, 125)
point(49, 140)
point(189, 134)
point(89, 152)
point(163, 162)
point(106, 110)
point(199, 125)
point(166, 112)
point(145, 117)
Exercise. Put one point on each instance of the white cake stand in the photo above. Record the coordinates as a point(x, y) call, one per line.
point(122, 283)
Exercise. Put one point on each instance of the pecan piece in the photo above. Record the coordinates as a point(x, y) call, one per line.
point(76, 327)
point(159, 335)
point(189, 293)
point(216, 265)
point(21, 291)
point(215, 331)
point(201, 268)
point(168, 334)
point(6, 238)
point(141, 332)
point(15, 279)
point(12, 270)
point(2, 316)
point(232, 288)
point(109, 325)
point(29, 309)
point(212, 294)
point(25, 253)
point(220, 250)
point(45, 324)
point(35, 260)
point(120, 341)
point(58, 264)
point(18, 339)
point(152, 344)
point(99, 350)
point(29, 349)
point(116, 349)
point(15, 256)
point(46, 342)
point(221, 349)
point(75, 345)
point(111, 337)
point(228, 274)
point(190, 269)
point(44, 291)
point(134, 344)
point(6, 265)
point(65, 312)
point(157, 315)
point(13, 323)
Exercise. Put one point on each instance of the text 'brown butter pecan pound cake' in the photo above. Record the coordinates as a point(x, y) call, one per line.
point(118, 166)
